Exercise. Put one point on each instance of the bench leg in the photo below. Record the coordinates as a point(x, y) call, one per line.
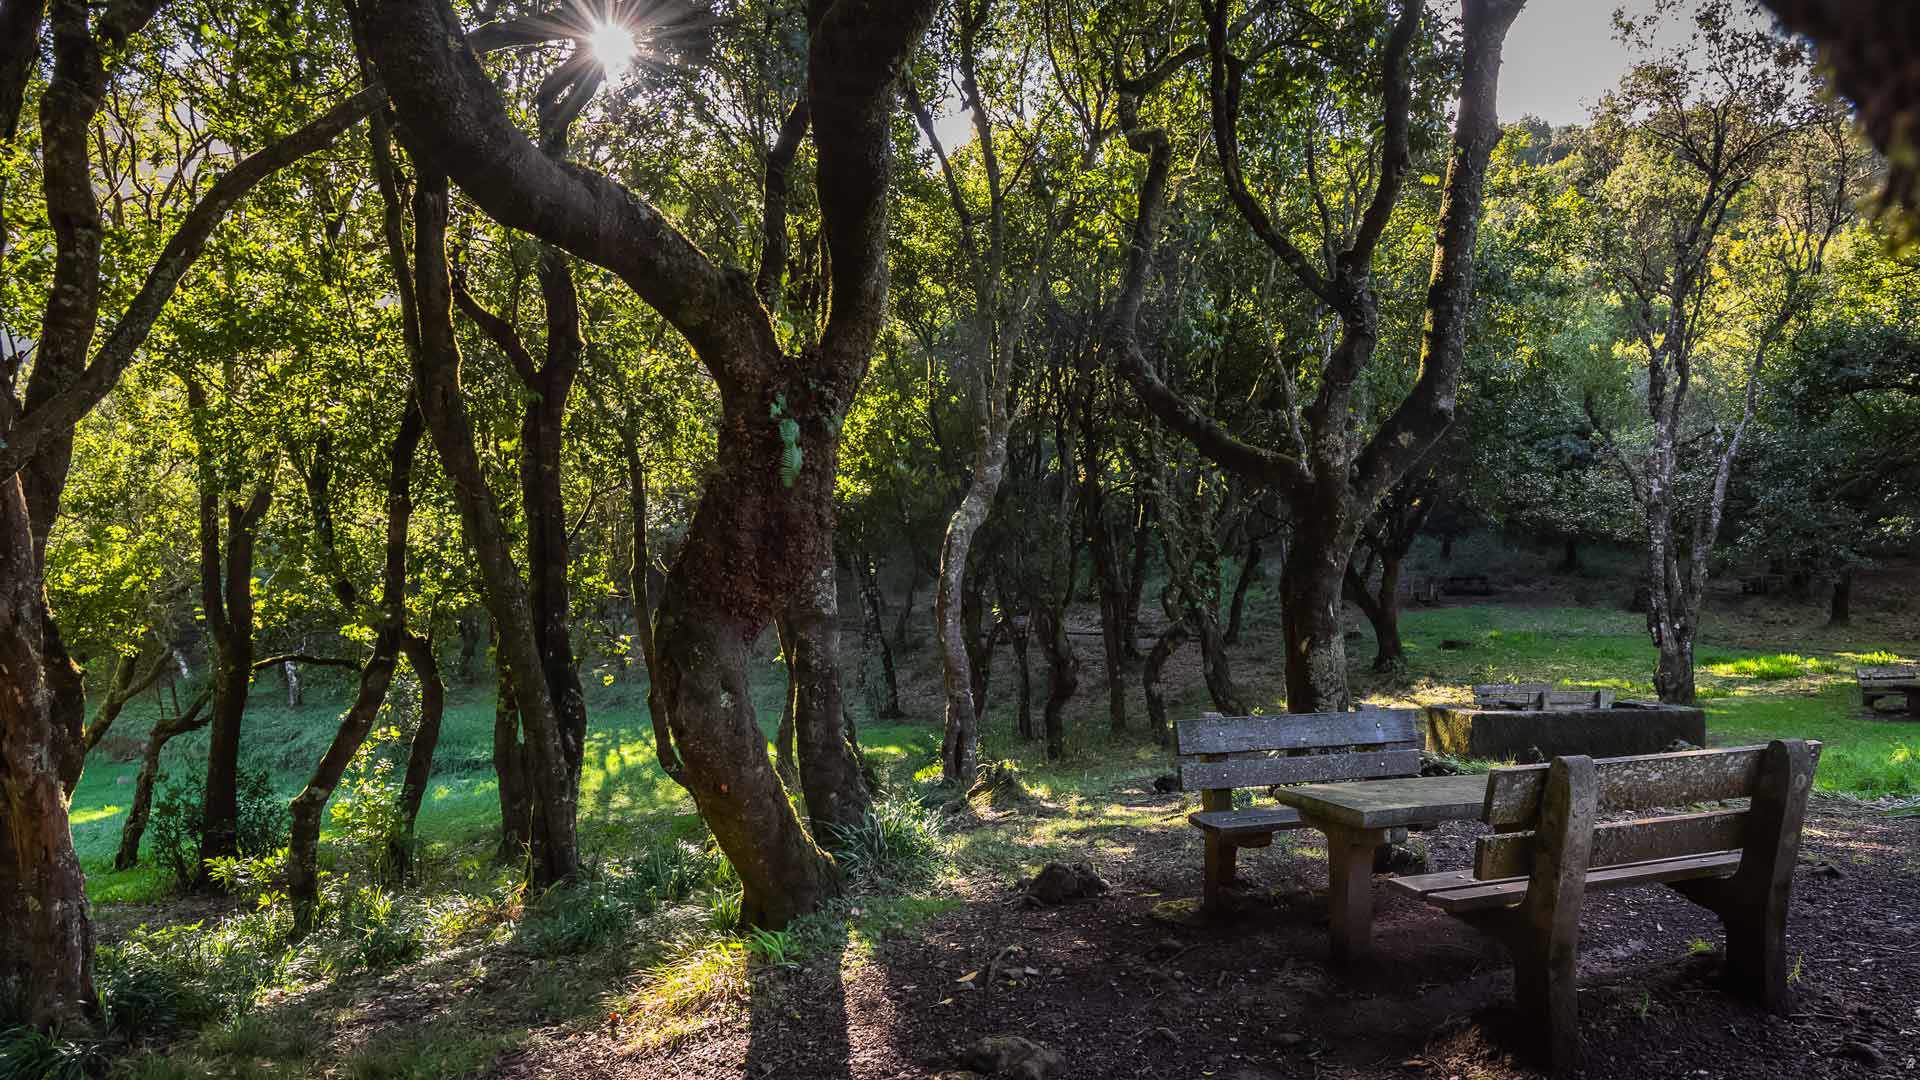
point(1221, 857)
point(1546, 989)
point(1350, 891)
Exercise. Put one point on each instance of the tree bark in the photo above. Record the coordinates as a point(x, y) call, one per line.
point(226, 596)
point(376, 675)
point(426, 739)
point(830, 778)
point(875, 634)
point(510, 769)
point(1382, 612)
point(1840, 609)
point(141, 808)
point(1164, 647)
point(1237, 610)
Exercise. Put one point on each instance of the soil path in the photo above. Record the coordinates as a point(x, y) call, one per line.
point(1124, 986)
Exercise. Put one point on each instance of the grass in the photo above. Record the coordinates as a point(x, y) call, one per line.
point(652, 934)
point(1750, 695)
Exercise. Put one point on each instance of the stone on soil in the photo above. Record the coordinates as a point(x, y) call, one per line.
point(1012, 1057)
point(1058, 883)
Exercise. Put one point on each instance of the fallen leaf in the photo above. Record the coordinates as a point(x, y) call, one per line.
point(968, 977)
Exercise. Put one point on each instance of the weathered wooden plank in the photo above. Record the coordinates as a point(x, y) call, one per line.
point(1580, 699)
point(1511, 695)
point(1302, 769)
point(1459, 891)
point(1387, 804)
point(1295, 731)
point(1641, 782)
point(1505, 855)
point(1241, 821)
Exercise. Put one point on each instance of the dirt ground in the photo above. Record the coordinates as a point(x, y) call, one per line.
point(1129, 984)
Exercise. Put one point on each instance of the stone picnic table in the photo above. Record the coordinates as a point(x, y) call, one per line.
point(1357, 818)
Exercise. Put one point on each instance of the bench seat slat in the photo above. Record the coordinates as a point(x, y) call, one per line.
point(1458, 890)
point(1303, 769)
point(1296, 731)
point(1230, 822)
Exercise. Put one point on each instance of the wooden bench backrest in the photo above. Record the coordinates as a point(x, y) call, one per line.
point(1520, 808)
point(1225, 752)
point(1511, 695)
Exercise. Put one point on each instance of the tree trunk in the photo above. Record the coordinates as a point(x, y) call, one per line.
point(46, 938)
point(426, 739)
point(837, 795)
point(1237, 610)
point(1137, 579)
point(1570, 560)
point(1310, 587)
point(1163, 649)
point(1382, 611)
point(1023, 666)
point(303, 873)
point(1112, 590)
point(1840, 610)
point(785, 763)
point(1063, 678)
point(509, 766)
point(960, 739)
point(876, 637)
point(227, 602)
point(376, 675)
point(641, 583)
point(552, 753)
point(164, 731)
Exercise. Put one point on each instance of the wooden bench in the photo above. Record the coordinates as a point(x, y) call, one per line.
point(1530, 878)
point(1895, 680)
point(1536, 696)
point(1762, 584)
point(1427, 592)
point(1217, 754)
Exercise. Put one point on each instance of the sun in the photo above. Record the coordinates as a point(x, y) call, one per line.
point(614, 46)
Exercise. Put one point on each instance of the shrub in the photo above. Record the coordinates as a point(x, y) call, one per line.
point(261, 827)
point(898, 840)
point(366, 815)
point(28, 1054)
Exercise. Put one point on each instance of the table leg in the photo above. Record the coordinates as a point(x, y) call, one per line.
point(1350, 895)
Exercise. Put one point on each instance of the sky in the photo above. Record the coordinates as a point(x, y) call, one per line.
point(1560, 57)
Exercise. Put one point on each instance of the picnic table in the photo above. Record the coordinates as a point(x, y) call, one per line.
point(1890, 680)
point(1358, 818)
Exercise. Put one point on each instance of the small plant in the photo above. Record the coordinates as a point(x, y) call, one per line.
point(770, 946)
point(1699, 947)
point(723, 913)
point(898, 840)
point(29, 1054)
point(1644, 1007)
point(366, 816)
point(1794, 973)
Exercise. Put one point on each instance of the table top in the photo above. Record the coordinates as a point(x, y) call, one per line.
point(1385, 804)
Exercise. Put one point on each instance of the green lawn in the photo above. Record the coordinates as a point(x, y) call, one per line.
point(624, 796)
point(1751, 695)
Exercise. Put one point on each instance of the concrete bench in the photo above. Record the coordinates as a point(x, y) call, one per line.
point(1550, 846)
point(1890, 681)
point(1217, 754)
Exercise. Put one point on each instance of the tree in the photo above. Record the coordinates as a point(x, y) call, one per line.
point(766, 536)
point(1329, 479)
point(1678, 158)
point(46, 939)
